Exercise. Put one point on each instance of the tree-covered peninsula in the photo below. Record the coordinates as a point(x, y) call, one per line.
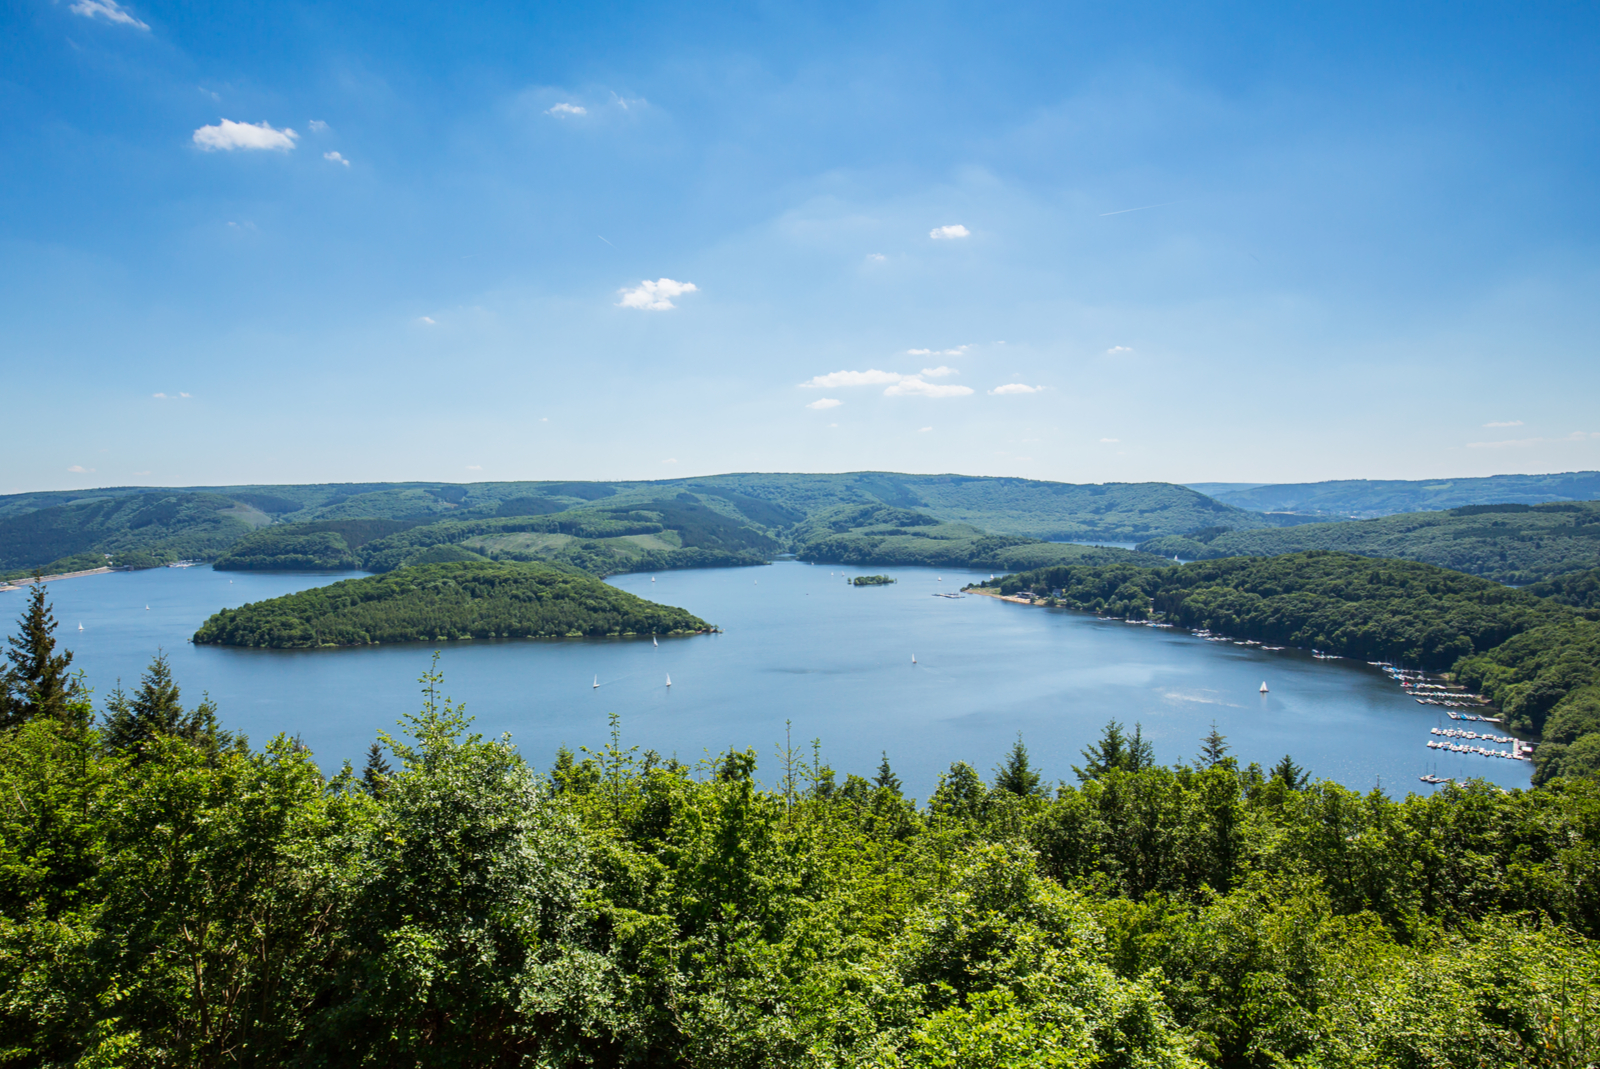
point(444, 602)
point(1536, 658)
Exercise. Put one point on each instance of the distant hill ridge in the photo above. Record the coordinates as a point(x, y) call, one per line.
point(1368, 498)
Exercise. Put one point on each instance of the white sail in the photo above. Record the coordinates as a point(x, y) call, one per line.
point(1263, 686)
point(654, 643)
point(597, 682)
point(669, 680)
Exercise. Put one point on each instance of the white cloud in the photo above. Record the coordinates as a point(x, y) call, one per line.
point(474, 467)
point(1015, 387)
point(568, 109)
point(427, 321)
point(825, 402)
point(911, 386)
point(317, 125)
point(939, 372)
point(544, 419)
point(871, 377)
point(924, 430)
point(109, 10)
point(955, 231)
point(160, 395)
point(336, 158)
point(670, 460)
point(1505, 423)
point(183, 395)
point(655, 296)
point(228, 135)
point(79, 469)
point(1111, 440)
point(876, 257)
point(1117, 350)
point(959, 350)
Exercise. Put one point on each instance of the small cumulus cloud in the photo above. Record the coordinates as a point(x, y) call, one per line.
point(427, 321)
point(183, 394)
point(544, 419)
point(911, 386)
point(945, 232)
point(474, 467)
point(317, 125)
point(655, 296)
point(825, 402)
point(228, 135)
point(109, 10)
point(79, 469)
point(1015, 387)
point(564, 109)
point(959, 350)
point(1505, 423)
point(1111, 441)
point(924, 430)
point(1118, 350)
point(670, 460)
point(876, 257)
point(334, 157)
point(871, 377)
point(940, 372)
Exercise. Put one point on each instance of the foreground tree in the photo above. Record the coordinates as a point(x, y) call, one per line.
point(36, 682)
point(155, 712)
point(1015, 775)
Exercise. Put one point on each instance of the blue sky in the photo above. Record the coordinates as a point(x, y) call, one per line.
point(311, 242)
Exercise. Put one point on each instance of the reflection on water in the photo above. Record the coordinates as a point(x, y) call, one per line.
point(799, 645)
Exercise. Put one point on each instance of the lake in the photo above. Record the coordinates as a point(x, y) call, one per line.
point(799, 645)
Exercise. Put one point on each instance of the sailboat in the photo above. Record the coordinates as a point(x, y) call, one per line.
point(913, 658)
point(596, 682)
point(654, 643)
point(669, 679)
point(652, 578)
point(1263, 686)
point(147, 608)
point(80, 627)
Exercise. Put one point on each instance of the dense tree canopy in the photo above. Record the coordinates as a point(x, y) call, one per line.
point(434, 602)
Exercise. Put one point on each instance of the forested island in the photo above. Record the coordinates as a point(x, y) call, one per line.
point(1537, 658)
point(171, 895)
point(447, 602)
point(872, 580)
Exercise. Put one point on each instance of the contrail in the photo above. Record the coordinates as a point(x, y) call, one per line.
point(607, 242)
point(1125, 211)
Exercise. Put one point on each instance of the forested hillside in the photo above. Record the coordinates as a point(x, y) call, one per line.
point(1381, 497)
point(134, 530)
point(171, 896)
point(878, 534)
point(1514, 544)
point(442, 602)
point(1535, 658)
point(68, 523)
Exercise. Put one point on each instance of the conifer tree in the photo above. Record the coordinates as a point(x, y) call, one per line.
point(1290, 773)
point(1213, 748)
point(1101, 757)
point(156, 711)
point(1015, 774)
point(375, 776)
point(886, 777)
point(36, 682)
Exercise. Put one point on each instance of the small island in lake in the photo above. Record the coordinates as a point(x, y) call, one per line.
point(872, 580)
point(443, 602)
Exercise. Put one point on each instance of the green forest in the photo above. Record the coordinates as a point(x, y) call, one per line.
point(1515, 544)
point(172, 896)
point(444, 602)
point(1536, 658)
point(132, 531)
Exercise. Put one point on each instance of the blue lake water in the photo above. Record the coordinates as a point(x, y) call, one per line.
point(801, 645)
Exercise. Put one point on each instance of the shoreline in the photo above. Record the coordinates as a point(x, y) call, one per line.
point(18, 584)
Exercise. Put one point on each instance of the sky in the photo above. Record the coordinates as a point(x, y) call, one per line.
point(289, 242)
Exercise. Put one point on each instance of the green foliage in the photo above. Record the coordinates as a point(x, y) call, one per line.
point(1578, 589)
point(325, 545)
point(871, 580)
point(446, 601)
point(1508, 543)
point(1116, 749)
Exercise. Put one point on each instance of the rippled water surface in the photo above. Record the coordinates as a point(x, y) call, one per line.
point(798, 645)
